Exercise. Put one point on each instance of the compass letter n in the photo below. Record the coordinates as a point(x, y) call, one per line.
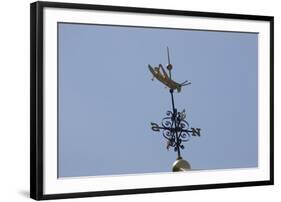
point(195, 131)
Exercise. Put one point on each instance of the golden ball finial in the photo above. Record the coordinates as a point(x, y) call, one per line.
point(169, 67)
point(181, 165)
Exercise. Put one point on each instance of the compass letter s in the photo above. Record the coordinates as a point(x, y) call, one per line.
point(155, 127)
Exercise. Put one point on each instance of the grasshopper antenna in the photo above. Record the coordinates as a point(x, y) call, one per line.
point(185, 83)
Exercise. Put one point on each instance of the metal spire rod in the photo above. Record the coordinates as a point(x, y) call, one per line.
point(169, 66)
point(168, 55)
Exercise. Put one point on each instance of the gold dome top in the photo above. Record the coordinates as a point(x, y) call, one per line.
point(181, 165)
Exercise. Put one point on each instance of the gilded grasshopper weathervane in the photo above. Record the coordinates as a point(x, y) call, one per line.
point(164, 78)
point(174, 127)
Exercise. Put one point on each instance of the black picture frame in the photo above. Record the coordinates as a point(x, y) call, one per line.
point(37, 98)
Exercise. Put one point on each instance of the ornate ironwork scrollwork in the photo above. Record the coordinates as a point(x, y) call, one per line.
point(175, 129)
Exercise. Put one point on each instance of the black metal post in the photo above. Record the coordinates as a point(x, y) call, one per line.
point(175, 123)
point(172, 96)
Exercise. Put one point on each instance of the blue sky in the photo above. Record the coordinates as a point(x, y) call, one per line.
point(107, 98)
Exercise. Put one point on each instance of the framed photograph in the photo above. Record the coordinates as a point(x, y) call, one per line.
point(129, 100)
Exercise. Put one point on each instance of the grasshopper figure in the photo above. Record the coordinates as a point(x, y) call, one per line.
point(161, 75)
